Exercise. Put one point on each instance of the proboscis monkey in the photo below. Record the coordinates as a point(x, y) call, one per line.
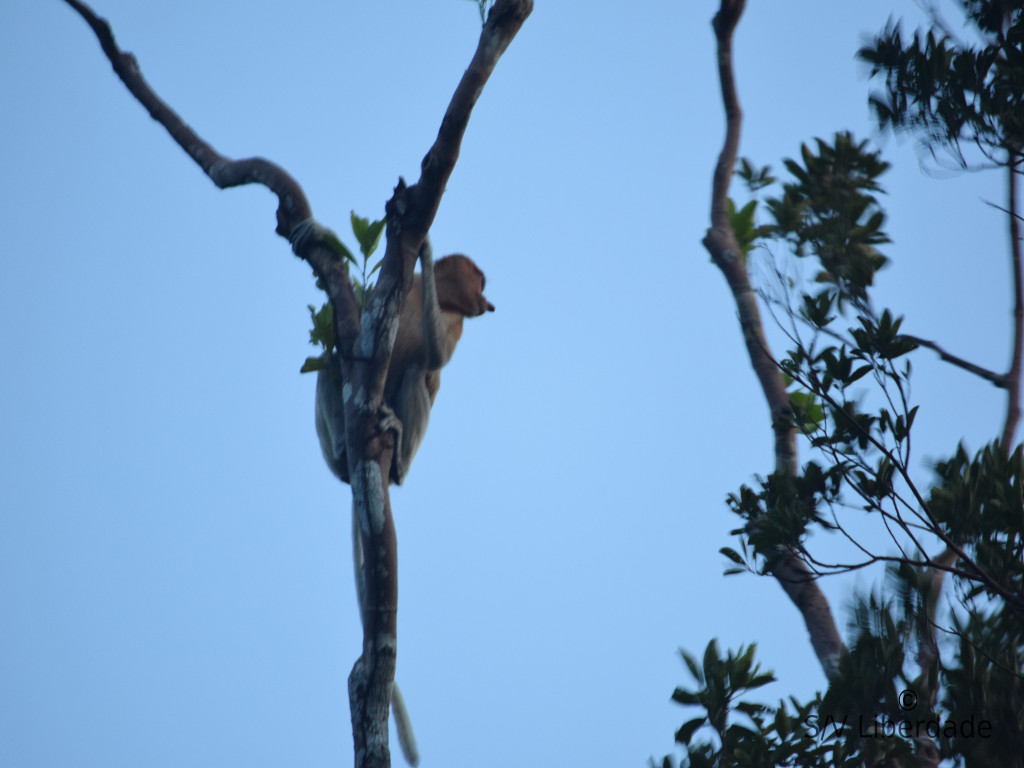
point(429, 327)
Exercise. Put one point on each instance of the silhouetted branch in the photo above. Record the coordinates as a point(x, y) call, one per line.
point(996, 378)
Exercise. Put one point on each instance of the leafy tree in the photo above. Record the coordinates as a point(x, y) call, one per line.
point(934, 669)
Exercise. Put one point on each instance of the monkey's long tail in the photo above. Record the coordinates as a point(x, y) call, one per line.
point(406, 738)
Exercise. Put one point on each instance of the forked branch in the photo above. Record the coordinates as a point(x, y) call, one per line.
point(365, 347)
point(293, 207)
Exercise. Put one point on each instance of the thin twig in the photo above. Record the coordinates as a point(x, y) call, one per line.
point(998, 379)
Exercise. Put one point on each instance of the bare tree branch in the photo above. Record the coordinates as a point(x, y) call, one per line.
point(293, 207)
point(787, 567)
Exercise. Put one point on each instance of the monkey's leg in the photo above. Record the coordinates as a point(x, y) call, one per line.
point(330, 418)
point(409, 419)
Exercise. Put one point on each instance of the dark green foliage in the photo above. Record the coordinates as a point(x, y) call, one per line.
point(755, 178)
point(981, 501)
point(779, 512)
point(948, 92)
point(743, 221)
point(732, 730)
point(986, 684)
point(830, 212)
point(743, 226)
point(882, 700)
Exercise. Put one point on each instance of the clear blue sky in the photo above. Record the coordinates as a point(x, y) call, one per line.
point(175, 584)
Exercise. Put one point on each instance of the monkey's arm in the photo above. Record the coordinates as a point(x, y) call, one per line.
point(436, 349)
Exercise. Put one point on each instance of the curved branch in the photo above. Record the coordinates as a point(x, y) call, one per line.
point(293, 207)
point(727, 254)
point(223, 171)
point(724, 24)
point(790, 571)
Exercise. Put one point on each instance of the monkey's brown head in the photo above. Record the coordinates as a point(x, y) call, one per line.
point(460, 286)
